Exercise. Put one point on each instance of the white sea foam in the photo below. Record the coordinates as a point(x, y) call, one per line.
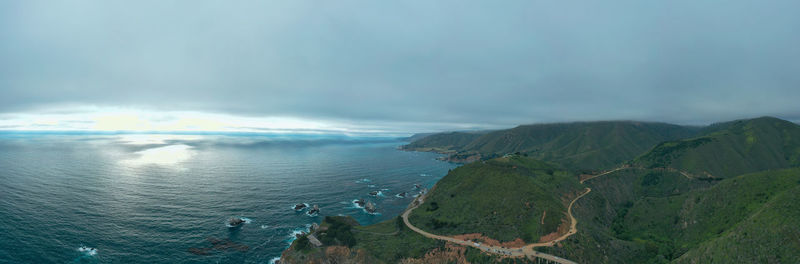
point(88, 251)
point(293, 234)
point(264, 226)
point(273, 260)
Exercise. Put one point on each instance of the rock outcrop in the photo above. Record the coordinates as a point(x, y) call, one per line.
point(370, 208)
point(314, 210)
point(360, 203)
point(235, 221)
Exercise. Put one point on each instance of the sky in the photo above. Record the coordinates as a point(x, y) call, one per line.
point(392, 66)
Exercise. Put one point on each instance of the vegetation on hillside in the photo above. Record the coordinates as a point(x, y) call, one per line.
point(725, 195)
point(443, 142)
point(663, 222)
point(731, 149)
point(578, 146)
point(504, 199)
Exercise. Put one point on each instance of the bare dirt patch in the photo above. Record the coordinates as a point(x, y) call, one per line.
point(562, 228)
point(491, 242)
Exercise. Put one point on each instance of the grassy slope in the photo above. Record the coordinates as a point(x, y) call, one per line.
point(392, 248)
point(634, 215)
point(731, 149)
point(624, 222)
point(580, 145)
point(443, 142)
point(502, 198)
point(384, 242)
point(601, 213)
point(770, 235)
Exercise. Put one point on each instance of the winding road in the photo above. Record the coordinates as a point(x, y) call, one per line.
point(525, 251)
point(604, 173)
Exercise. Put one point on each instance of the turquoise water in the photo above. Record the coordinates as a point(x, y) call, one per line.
point(150, 198)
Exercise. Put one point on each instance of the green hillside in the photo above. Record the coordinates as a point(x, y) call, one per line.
point(503, 198)
point(627, 219)
point(442, 142)
point(663, 209)
point(770, 235)
point(580, 145)
point(731, 149)
point(385, 242)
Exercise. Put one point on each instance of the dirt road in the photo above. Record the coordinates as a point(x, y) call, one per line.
point(526, 251)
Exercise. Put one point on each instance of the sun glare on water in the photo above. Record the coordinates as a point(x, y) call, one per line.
point(162, 156)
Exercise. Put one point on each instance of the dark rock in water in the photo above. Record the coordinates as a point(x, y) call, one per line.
point(227, 244)
point(360, 202)
point(219, 245)
point(374, 193)
point(418, 186)
point(300, 207)
point(235, 221)
point(402, 195)
point(314, 210)
point(370, 208)
point(200, 251)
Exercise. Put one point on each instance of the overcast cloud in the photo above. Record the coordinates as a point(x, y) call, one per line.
point(419, 65)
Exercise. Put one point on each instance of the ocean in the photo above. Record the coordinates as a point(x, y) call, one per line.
point(166, 198)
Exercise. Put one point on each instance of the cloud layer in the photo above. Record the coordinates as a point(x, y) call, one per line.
point(424, 65)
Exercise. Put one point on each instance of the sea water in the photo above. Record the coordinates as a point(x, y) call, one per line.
point(161, 198)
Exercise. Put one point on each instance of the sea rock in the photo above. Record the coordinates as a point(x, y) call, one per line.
point(235, 221)
point(218, 245)
point(418, 186)
point(374, 193)
point(360, 202)
point(314, 210)
point(300, 207)
point(402, 195)
point(370, 208)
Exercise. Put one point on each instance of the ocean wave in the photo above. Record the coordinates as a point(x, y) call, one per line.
point(88, 251)
point(364, 180)
point(293, 234)
point(424, 174)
